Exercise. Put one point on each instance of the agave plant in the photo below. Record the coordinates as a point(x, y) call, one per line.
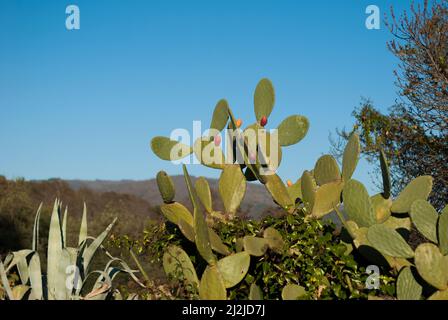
point(68, 268)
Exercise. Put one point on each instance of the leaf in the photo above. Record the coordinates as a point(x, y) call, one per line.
point(234, 268)
point(292, 130)
point(350, 157)
point(425, 217)
point(274, 239)
point(389, 242)
point(278, 191)
point(326, 170)
point(204, 193)
point(308, 190)
point(83, 229)
point(264, 99)
point(381, 207)
point(432, 265)
point(407, 287)
point(166, 186)
point(357, 204)
point(232, 187)
point(293, 292)
point(212, 285)
point(5, 282)
point(419, 188)
point(255, 292)
point(54, 251)
point(295, 191)
point(170, 150)
point(217, 244)
point(35, 244)
point(36, 277)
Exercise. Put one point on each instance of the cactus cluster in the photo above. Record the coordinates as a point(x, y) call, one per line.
point(220, 274)
point(68, 268)
point(255, 160)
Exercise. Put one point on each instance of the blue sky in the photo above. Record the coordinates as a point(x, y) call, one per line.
point(86, 103)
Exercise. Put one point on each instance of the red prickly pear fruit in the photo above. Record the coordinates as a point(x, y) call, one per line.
point(264, 121)
point(289, 183)
point(217, 140)
point(239, 122)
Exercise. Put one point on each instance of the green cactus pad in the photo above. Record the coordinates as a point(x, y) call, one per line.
point(278, 191)
point(419, 188)
point(407, 287)
point(220, 115)
point(255, 292)
point(350, 157)
point(208, 154)
point(388, 242)
point(327, 198)
point(204, 194)
point(166, 186)
point(239, 244)
point(255, 246)
point(295, 191)
point(174, 212)
point(308, 189)
point(234, 268)
point(425, 218)
point(232, 187)
point(357, 204)
point(432, 265)
point(443, 231)
point(274, 240)
point(264, 99)
point(293, 292)
point(217, 244)
point(398, 223)
point(292, 130)
point(186, 229)
point(439, 295)
point(381, 207)
point(176, 263)
point(163, 148)
point(326, 170)
point(385, 174)
point(212, 285)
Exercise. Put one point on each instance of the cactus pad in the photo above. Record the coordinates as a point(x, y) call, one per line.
point(326, 170)
point(381, 207)
point(264, 99)
point(204, 194)
point(174, 212)
point(443, 231)
point(293, 292)
point(425, 217)
point(350, 157)
point(327, 197)
point(212, 285)
point(170, 150)
point(389, 242)
point(255, 246)
point(274, 240)
point(278, 191)
point(233, 268)
point(255, 292)
point(407, 287)
point(292, 130)
point(166, 186)
point(220, 115)
point(232, 187)
point(176, 263)
point(432, 265)
point(419, 188)
point(357, 204)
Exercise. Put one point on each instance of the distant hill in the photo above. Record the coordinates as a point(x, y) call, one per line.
point(257, 201)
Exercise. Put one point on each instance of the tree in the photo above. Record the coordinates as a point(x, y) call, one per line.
point(414, 134)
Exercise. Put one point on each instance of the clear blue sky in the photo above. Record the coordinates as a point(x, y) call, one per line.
point(86, 103)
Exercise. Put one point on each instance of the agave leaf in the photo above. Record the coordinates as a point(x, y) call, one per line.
point(293, 292)
point(98, 291)
point(90, 251)
point(232, 187)
point(55, 245)
point(389, 242)
point(264, 99)
point(36, 229)
point(62, 291)
point(292, 130)
point(234, 268)
point(419, 188)
point(212, 285)
point(326, 170)
point(170, 150)
point(204, 193)
point(5, 282)
point(36, 277)
point(83, 229)
point(425, 218)
point(407, 287)
point(350, 157)
point(64, 226)
point(357, 204)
